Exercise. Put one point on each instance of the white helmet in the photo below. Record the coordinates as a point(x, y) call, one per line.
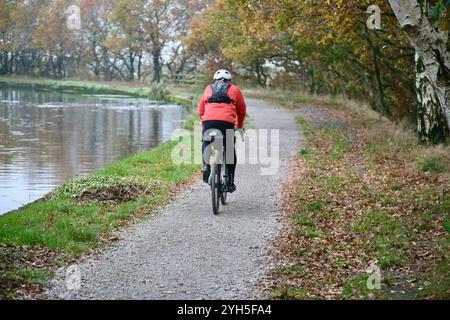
point(223, 74)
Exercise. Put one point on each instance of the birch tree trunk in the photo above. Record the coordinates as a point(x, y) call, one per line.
point(432, 70)
point(431, 122)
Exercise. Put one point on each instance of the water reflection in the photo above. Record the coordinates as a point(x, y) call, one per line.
point(46, 137)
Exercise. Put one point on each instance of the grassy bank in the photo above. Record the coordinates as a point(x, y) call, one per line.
point(82, 215)
point(76, 86)
point(362, 191)
point(156, 92)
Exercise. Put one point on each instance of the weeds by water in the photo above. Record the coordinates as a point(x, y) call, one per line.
point(82, 215)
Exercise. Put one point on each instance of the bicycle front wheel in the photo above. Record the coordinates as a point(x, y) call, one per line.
point(224, 193)
point(215, 188)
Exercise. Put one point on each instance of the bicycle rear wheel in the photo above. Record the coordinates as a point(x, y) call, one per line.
point(224, 194)
point(215, 187)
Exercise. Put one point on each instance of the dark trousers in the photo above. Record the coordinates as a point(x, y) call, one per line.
point(223, 126)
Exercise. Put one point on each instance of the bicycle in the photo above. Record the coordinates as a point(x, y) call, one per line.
point(219, 176)
point(218, 179)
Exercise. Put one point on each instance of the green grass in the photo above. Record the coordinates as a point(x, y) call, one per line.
point(56, 224)
point(304, 124)
point(36, 276)
point(312, 232)
point(447, 223)
point(337, 136)
point(309, 230)
point(293, 293)
point(356, 288)
point(339, 149)
point(315, 206)
point(19, 276)
point(304, 220)
point(440, 283)
point(306, 154)
point(432, 165)
point(390, 237)
point(291, 270)
point(339, 141)
point(332, 183)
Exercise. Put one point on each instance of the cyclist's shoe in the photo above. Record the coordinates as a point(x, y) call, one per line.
point(206, 172)
point(231, 187)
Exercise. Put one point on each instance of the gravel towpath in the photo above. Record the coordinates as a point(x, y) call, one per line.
point(183, 251)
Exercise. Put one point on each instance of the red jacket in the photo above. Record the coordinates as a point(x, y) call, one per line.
point(233, 113)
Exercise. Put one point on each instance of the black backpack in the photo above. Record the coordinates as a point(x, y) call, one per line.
point(220, 93)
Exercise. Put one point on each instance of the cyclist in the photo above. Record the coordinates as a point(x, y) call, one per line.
point(222, 107)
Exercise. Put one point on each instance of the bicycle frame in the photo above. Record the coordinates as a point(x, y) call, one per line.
point(218, 179)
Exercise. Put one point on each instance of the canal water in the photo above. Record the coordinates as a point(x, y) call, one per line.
point(48, 137)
